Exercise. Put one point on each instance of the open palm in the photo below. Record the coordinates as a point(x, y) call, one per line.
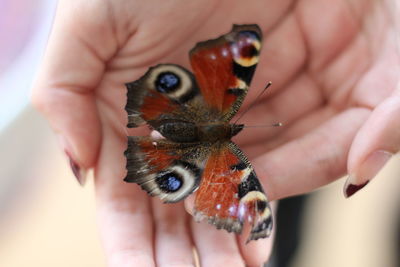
point(333, 81)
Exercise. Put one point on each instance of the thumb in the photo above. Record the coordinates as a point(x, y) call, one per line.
point(64, 89)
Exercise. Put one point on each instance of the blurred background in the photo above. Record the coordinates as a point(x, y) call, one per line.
point(47, 219)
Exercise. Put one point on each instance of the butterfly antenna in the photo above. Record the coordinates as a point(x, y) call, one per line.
point(254, 102)
point(278, 124)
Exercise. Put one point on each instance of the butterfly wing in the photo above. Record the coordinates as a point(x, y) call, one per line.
point(163, 168)
point(161, 94)
point(230, 193)
point(224, 67)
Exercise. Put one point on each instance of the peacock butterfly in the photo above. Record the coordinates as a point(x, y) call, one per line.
point(192, 111)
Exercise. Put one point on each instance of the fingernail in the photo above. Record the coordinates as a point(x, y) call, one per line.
point(79, 173)
point(366, 172)
point(351, 189)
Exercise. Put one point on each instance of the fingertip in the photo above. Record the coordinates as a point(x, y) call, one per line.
point(74, 119)
point(79, 172)
point(257, 252)
point(378, 133)
point(366, 171)
point(350, 189)
point(374, 145)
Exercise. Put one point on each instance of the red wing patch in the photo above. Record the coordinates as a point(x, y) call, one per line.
point(224, 67)
point(218, 195)
point(156, 104)
point(213, 68)
point(230, 194)
point(218, 192)
point(158, 155)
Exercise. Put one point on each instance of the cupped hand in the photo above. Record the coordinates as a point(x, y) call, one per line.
point(334, 70)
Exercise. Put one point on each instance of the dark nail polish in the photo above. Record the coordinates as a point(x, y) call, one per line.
point(351, 189)
point(78, 172)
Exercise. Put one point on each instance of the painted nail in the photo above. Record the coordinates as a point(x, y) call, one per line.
point(351, 189)
point(79, 173)
point(366, 172)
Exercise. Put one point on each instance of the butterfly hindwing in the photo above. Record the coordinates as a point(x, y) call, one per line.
point(230, 193)
point(224, 67)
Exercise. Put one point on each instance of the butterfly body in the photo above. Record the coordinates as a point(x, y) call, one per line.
point(180, 131)
point(192, 112)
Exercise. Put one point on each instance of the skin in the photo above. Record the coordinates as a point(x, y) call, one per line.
point(334, 70)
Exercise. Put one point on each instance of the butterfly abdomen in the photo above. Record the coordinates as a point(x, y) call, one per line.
point(187, 132)
point(218, 132)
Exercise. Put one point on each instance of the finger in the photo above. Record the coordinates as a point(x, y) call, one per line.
point(291, 132)
point(124, 210)
point(275, 55)
point(374, 144)
point(215, 247)
point(284, 107)
point(256, 253)
point(280, 102)
point(172, 236)
point(315, 159)
point(72, 67)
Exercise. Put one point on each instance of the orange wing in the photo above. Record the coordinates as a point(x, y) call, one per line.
point(230, 194)
point(224, 67)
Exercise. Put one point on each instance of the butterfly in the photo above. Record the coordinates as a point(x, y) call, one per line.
point(192, 111)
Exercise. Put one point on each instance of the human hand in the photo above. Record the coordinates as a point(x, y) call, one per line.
point(336, 90)
point(325, 75)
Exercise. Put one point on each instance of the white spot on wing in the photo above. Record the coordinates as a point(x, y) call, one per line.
point(232, 210)
point(156, 135)
point(242, 211)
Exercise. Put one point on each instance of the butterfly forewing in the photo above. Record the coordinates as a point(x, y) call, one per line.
point(224, 67)
point(163, 93)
